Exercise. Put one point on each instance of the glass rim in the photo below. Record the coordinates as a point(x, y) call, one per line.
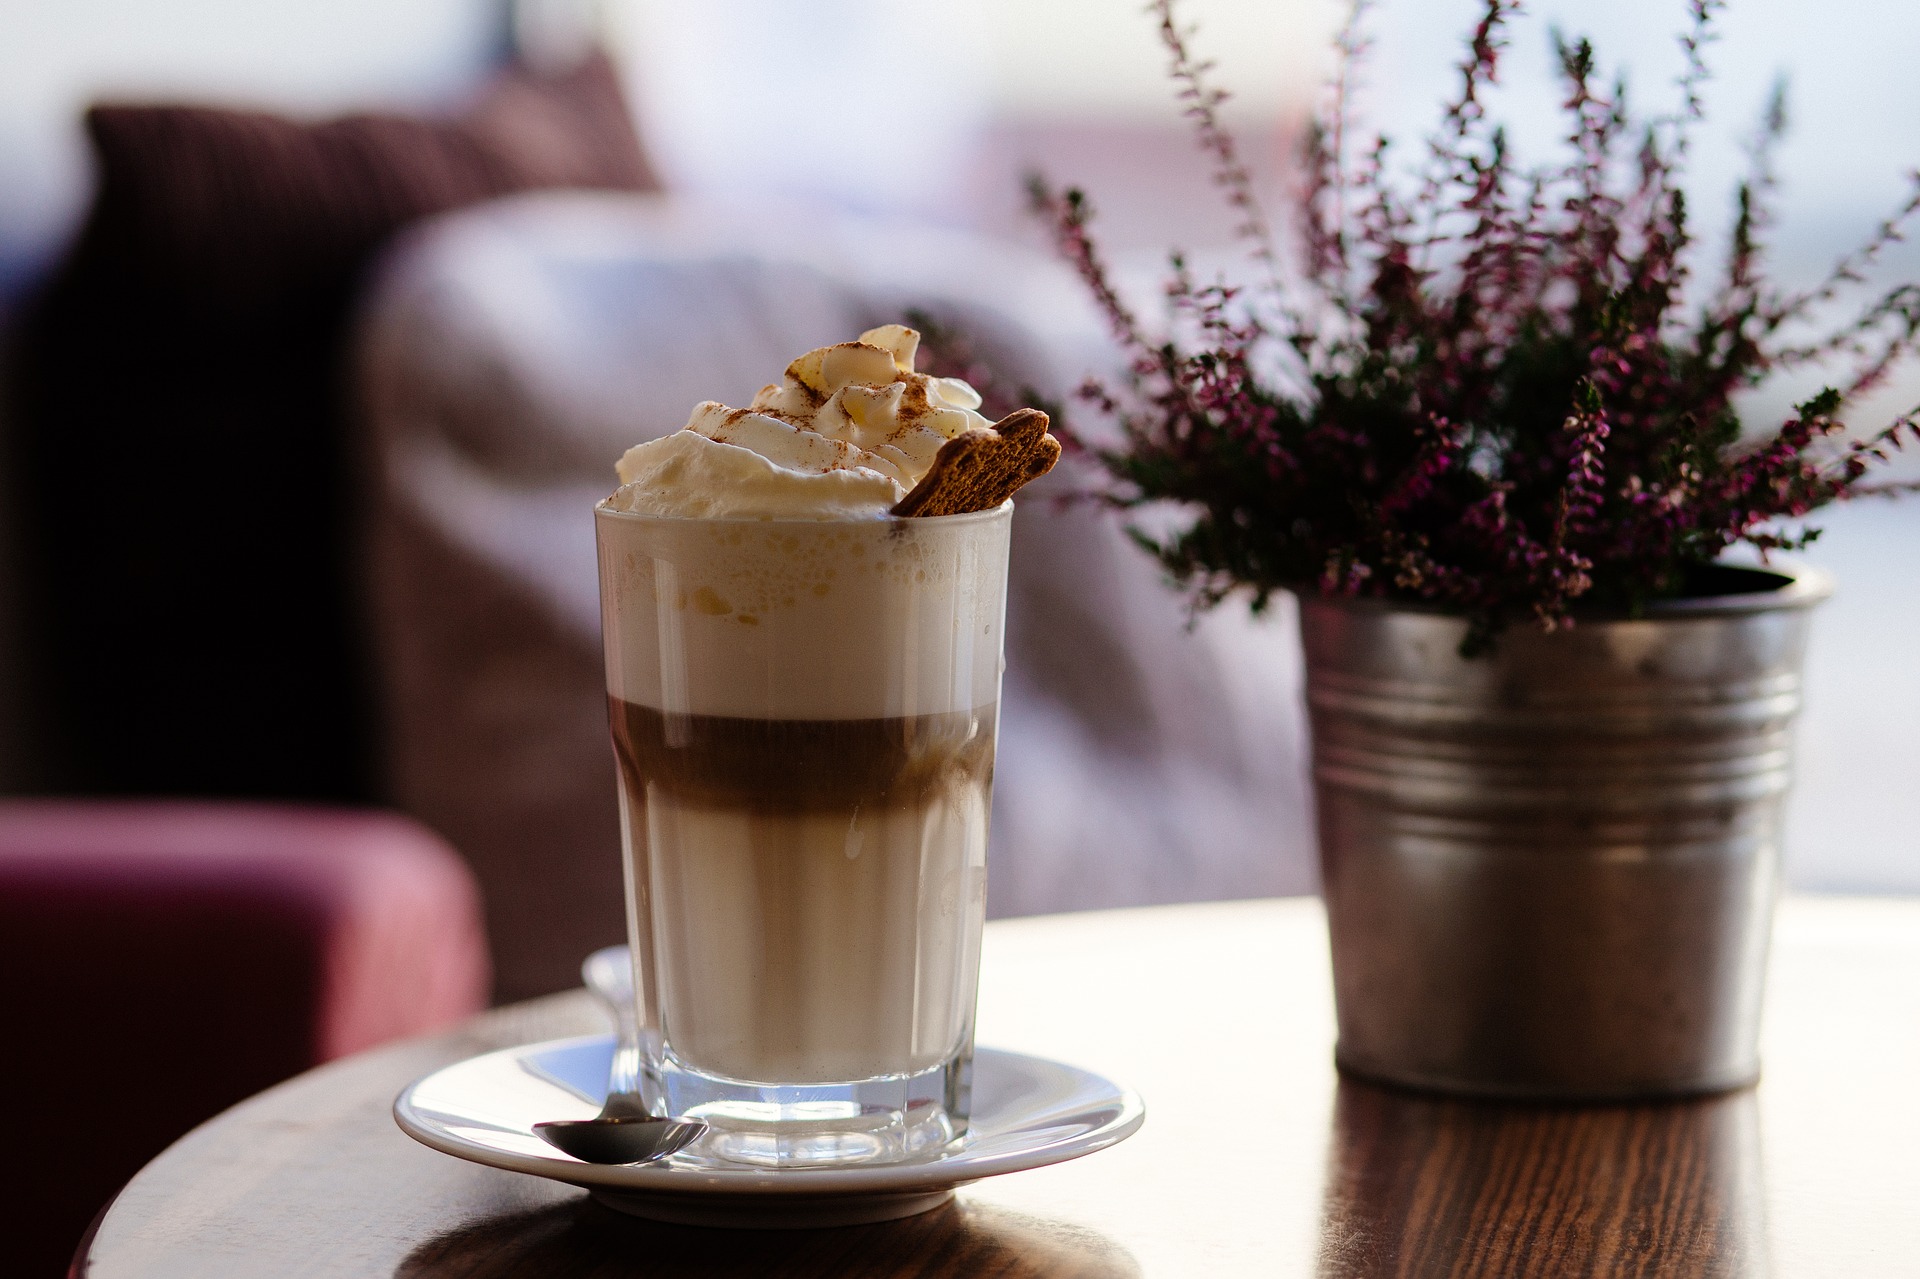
point(1004, 510)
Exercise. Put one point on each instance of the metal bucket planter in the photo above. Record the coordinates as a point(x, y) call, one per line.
point(1550, 872)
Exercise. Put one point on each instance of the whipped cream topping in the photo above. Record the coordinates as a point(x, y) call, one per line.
point(845, 434)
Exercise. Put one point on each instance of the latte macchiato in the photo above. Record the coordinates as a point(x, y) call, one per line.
point(804, 694)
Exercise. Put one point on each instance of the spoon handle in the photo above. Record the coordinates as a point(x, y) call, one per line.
point(607, 974)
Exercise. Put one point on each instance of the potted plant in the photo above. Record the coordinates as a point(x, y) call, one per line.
point(1483, 426)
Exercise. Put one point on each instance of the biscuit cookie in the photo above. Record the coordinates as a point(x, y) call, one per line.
point(978, 470)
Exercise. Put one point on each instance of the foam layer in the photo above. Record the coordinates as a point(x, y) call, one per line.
point(686, 474)
point(803, 619)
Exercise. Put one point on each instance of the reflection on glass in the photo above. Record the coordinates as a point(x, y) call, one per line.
point(1426, 1186)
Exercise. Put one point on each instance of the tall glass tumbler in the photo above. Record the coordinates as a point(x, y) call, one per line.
point(805, 715)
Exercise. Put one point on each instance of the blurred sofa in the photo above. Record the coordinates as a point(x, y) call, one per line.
point(412, 619)
point(510, 353)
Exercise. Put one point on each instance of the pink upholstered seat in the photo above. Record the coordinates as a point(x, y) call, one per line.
point(161, 961)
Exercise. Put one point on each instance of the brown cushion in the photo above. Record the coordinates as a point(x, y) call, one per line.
point(181, 458)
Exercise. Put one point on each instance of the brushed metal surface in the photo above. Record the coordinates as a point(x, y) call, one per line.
point(1550, 871)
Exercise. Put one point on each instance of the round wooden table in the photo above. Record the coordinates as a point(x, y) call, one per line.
point(1256, 1159)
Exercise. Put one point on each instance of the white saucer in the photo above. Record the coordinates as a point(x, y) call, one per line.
point(1027, 1112)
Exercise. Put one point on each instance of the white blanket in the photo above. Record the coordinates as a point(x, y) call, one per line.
point(509, 354)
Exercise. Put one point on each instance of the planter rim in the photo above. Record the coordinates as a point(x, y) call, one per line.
point(1804, 587)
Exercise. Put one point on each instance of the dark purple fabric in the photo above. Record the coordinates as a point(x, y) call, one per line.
point(160, 962)
point(188, 636)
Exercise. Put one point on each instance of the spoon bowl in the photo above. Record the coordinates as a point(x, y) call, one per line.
point(620, 1139)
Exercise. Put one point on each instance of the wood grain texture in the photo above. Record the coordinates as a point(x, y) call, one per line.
point(1255, 1159)
point(1421, 1187)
